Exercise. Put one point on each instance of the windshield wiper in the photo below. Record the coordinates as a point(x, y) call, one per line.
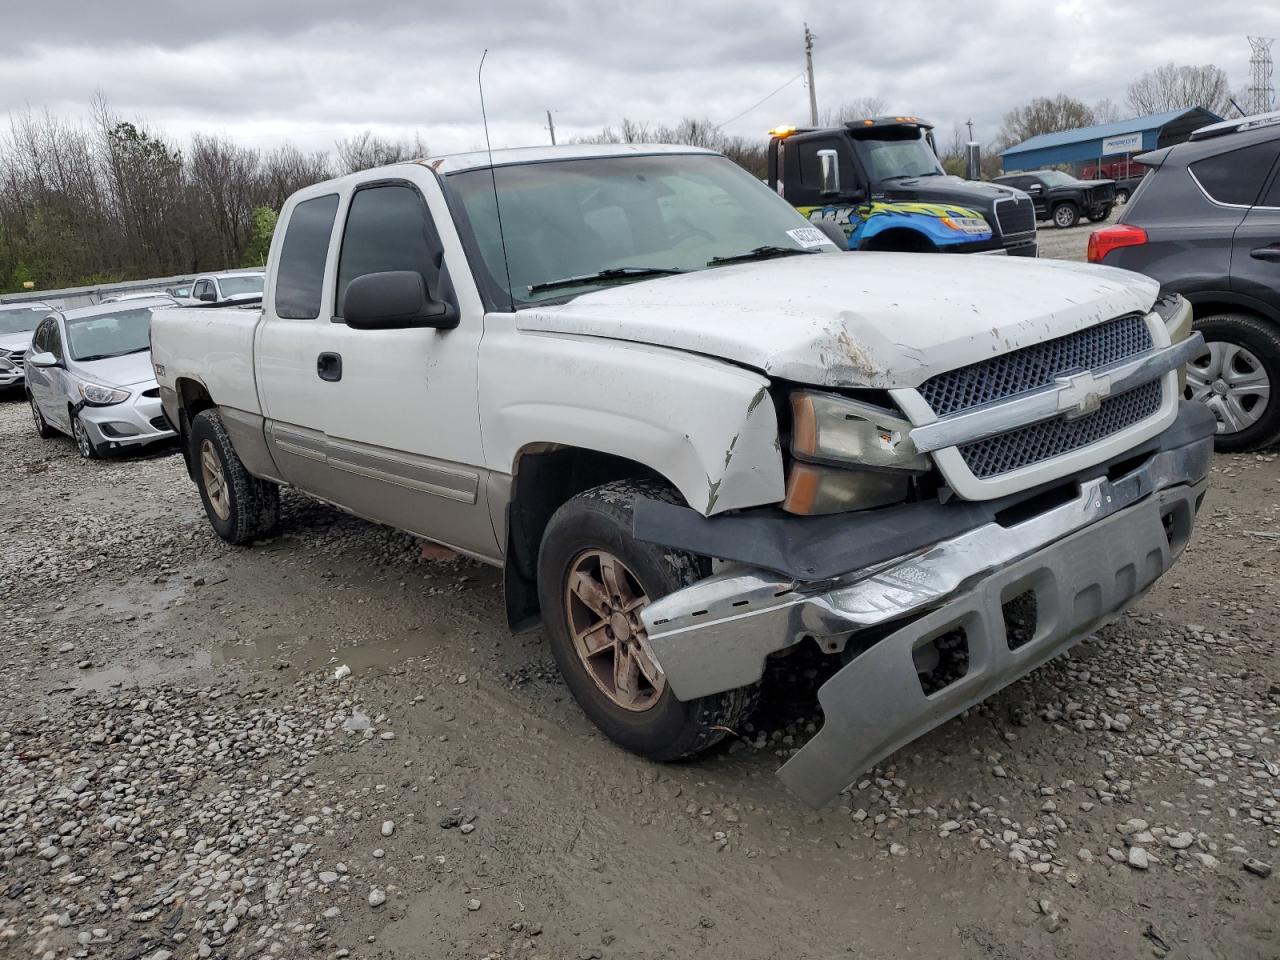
point(611, 275)
point(759, 253)
point(109, 356)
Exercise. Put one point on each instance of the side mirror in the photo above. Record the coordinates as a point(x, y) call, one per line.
point(45, 359)
point(830, 161)
point(394, 300)
point(208, 296)
point(1035, 188)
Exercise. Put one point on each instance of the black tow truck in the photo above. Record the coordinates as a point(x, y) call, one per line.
point(880, 181)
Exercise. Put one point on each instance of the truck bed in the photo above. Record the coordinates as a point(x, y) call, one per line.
point(215, 341)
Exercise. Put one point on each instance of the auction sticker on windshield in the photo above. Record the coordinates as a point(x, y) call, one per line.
point(809, 237)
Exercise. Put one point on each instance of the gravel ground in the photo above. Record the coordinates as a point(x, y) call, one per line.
point(1071, 244)
point(185, 770)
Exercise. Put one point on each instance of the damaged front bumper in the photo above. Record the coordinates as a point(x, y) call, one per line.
point(1082, 558)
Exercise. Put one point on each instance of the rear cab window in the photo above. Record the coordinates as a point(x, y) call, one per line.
point(1236, 177)
point(300, 274)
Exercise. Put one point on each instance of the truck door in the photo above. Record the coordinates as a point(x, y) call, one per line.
point(804, 183)
point(395, 411)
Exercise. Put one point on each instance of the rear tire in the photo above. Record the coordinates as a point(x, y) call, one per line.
point(1065, 216)
point(240, 507)
point(587, 533)
point(1122, 196)
point(1237, 378)
point(43, 430)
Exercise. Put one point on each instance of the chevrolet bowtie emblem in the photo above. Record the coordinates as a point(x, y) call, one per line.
point(1081, 394)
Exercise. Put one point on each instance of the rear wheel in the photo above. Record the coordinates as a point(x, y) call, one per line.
point(43, 430)
point(1235, 378)
point(1122, 195)
point(240, 507)
point(593, 581)
point(1066, 215)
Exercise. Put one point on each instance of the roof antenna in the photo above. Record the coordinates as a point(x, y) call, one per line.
point(506, 264)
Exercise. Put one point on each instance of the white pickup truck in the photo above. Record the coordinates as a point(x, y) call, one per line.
point(695, 435)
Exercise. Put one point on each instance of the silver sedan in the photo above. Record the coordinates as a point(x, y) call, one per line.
point(89, 376)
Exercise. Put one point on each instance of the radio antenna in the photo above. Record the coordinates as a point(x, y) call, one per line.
point(493, 177)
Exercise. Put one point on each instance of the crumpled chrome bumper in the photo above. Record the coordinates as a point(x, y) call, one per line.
point(1084, 560)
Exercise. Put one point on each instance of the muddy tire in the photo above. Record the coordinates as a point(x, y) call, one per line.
point(240, 507)
point(593, 577)
point(1066, 216)
point(1238, 378)
point(43, 430)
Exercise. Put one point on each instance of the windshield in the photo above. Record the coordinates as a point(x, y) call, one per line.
point(109, 334)
point(897, 154)
point(234, 286)
point(1056, 178)
point(22, 319)
point(631, 216)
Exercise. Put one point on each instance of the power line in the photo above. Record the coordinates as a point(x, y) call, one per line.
point(739, 116)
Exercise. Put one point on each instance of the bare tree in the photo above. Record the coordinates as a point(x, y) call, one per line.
point(366, 149)
point(1044, 115)
point(1170, 87)
point(1105, 111)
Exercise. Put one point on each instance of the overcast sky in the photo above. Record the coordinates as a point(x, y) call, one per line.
point(264, 71)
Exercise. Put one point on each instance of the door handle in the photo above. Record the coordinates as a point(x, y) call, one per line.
point(1271, 253)
point(329, 366)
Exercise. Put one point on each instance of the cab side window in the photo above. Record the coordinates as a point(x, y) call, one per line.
point(389, 228)
point(53, 338)
point(300, 274)
point(811, 165)
point(41, 337)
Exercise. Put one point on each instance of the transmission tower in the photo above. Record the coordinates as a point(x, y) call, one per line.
point(1261, 92)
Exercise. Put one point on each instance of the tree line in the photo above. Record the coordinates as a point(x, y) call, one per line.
point(118, 200)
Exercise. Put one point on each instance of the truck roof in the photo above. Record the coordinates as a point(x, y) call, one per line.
point(454, 162)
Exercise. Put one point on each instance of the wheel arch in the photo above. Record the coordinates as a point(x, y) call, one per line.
point(544, 477)
point(193, 398)
point(902, 239)
point(1210, 302)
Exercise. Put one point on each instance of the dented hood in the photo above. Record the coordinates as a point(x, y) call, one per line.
point(855, 319)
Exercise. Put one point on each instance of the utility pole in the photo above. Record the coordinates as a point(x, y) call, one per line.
point(551, 125)
point(808, 63)
point(969, 124)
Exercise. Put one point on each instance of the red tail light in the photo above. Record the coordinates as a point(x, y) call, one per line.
point(1102, 242)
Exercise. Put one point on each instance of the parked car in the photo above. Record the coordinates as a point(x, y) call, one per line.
point(89, 376)
point(17, 322)
point(693, 436)
point(880, 182)
point(1126, 173)
point(1062, 198)
point(233, 287)
point(1206, 224)
point(135, 295)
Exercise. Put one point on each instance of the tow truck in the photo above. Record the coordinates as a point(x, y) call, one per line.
point(880, 181)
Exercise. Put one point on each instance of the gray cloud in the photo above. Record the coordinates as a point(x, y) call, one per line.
point(264, 72)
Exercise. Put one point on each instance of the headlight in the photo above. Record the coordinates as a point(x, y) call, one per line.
point(969, 225)
point(849, 455)
point(1175, 311)
point(99, 396)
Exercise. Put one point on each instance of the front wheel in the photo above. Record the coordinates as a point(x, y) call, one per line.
point(593, 581)
point(1065, 215)
point(1100, 215)
point(84, 443)
point(240, 507)
point(1235, 377)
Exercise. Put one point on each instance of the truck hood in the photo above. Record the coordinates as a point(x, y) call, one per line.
point(950, 190)
point(132, 368)
point(881, 320)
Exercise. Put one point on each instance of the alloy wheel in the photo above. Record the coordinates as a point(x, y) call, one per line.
point(603, 600)
point(81, 436)
point(1232, 382)
point(215, 480)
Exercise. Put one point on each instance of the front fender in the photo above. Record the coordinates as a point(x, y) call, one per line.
point(708, 427)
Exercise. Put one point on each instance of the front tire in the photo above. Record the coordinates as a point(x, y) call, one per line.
point(43, 430)
point(1065, 216)
point(593, 580)
point(84, 443)
point(1235, 377)
point(1100, 215)
point(240, 507)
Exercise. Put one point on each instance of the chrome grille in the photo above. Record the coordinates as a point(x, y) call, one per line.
point(1038, 366)
point(1016, 216)
point(1025, 446)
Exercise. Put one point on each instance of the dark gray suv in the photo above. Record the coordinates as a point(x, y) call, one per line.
point(1205, 222)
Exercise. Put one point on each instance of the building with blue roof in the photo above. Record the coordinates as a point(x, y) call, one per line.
point(1106, 142)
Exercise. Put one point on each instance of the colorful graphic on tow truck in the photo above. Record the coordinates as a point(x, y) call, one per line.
point(943, 224)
